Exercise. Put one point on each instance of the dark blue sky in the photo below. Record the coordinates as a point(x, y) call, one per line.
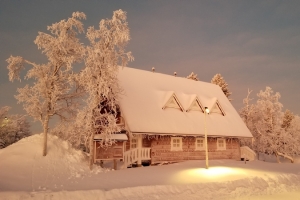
point(253, 44)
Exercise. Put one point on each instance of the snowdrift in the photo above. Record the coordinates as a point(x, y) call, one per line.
point(64, 174)
point(24, 168)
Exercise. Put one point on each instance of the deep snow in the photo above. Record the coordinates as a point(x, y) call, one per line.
point(64, 174)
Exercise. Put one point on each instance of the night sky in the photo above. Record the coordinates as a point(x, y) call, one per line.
point(253, 44)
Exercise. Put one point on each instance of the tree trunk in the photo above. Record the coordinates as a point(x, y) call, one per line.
point(285, 156)
point(45, 126)
point(277, 157)
point(92, 149)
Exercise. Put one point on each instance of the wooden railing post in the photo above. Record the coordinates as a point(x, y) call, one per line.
point(139, 150)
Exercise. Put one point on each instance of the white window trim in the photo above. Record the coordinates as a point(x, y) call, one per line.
point(200, 148)
point(135, 143)
point(180, 144)
point(224, 142)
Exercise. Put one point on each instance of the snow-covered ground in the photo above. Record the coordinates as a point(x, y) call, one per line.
point(64, 174)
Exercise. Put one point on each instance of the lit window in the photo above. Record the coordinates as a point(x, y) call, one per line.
point(221, 144)
point(133, 143)
point(200, 144)
point(176, 144)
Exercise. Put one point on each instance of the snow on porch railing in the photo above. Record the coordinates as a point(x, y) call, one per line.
point(132, 156)
point(247, 153)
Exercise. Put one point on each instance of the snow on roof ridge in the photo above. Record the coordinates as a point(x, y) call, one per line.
point(169, 75)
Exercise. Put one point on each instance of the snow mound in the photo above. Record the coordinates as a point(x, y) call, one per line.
point(64, 174)
point(23, 163)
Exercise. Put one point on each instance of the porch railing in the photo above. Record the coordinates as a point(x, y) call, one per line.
point(132, 156)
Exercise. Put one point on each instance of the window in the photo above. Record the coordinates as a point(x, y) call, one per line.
point(221, 144)
point(133, 143)
point(200, 144)
point(176, 144)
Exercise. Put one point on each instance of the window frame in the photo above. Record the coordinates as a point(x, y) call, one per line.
point(179, 148)
point(218, 144)
point(133, 143)
point(196, 144)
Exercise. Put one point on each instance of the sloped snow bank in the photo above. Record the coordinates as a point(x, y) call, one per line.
point(248, 188)
point(64, 174)
point(24, 168)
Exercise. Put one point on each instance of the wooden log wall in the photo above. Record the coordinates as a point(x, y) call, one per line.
point(113, 152)
point(161, 150)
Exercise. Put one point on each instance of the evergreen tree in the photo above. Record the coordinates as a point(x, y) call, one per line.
point(219, 80)
point(193, 76)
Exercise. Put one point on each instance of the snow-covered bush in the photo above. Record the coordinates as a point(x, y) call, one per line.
point(12, 127)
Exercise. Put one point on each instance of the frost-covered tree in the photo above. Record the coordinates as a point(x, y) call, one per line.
point(219, 80)
point(193, 76)
point(264, 120)
point(291, 139)
point(12, 127)
point(287, 119)
point(53, 85)
point(105, 53)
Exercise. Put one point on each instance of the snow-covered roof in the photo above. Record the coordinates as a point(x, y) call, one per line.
point(145, 96)
point(117, 136)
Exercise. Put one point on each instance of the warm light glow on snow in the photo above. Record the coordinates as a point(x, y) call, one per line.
point(215, 171)
point(201, 174)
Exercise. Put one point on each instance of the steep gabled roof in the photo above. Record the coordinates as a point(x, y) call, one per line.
point(145, 94)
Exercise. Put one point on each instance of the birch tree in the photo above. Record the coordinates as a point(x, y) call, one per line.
point(104, 54)
point(271, 131)
point(53, 85)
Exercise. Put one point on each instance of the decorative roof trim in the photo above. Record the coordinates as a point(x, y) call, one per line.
point(196, 99)
point(173, 96)
point(217, 103)
point(220, 107)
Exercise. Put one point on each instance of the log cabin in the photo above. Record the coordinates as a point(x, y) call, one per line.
point(163, 119)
